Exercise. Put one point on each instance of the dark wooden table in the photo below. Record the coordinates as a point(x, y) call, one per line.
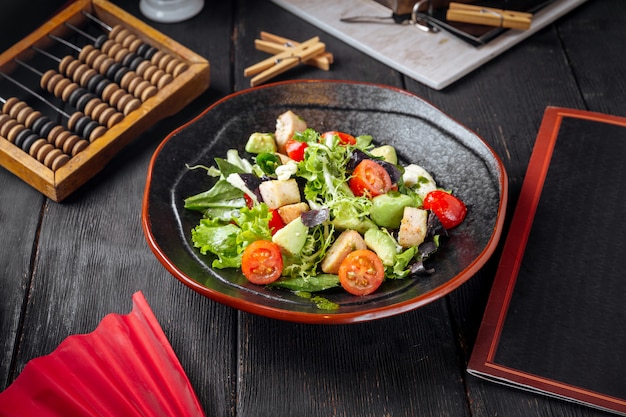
point(63, 267)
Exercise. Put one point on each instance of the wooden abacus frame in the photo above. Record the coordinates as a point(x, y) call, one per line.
point(185, 87)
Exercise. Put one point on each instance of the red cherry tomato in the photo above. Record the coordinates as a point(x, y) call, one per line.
point(295, 149)
point(248, 200)
point(276, 222)
point(262, 262)
point(362, 272)
point(370, 179)
point(449, 209)
point(344, 138)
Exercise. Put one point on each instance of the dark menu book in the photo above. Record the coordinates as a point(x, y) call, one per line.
point(555, 322)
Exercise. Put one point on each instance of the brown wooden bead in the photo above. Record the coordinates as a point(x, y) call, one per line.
point(59, 161)
point(23, 114)
point(108, 91)
point(114, 119)
point(54, 132)
point(179, 69)
point(30, 119)
point(43, 151)
point(128, 103)
point(79, 147)
point(116, 96)
point(15, 129)
point(164, 80)
point(68, 88)
point(60, 139)
point(9, 103)
point(6, 127)
point(148, 91)
point(16, 108)
point(96, 113)
point(97, 132)
point(36, 146)
point(69, 143)
point(107, 115)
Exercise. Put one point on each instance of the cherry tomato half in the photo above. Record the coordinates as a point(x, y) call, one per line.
point(295, 149)
point(276, 222)
point(362, 272)
point(262, 262)
point(370, 179)
point(449, 209)
point(344, 138)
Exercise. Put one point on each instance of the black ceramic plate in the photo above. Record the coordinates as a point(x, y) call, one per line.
point(421, 134)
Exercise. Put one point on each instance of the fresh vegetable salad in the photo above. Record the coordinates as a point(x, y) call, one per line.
point(310, 211)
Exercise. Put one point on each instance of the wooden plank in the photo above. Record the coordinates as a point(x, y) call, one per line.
point(91, 254)
point(394, 367)
point(504, 102)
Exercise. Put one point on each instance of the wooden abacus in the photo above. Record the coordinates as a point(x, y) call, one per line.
point(111, 88)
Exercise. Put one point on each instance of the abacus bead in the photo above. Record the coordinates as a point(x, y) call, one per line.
point(89, 128)
point(16, 108)
point(143, 49)
point(23, 114)
point(47, 161)
point(84, 99)
point(28, 142)
point(59, 161)
point(117, 77)
point(100, 40)
point(4, 118)
point(30, 119)
point(41, 150)
point(114, 119)
point(106, 117)
point(80, 125)
point(46, 128)
point(148, 92)
point(6, 107)
point(59, 141)
point(79, 147)
point(102, 84)
point(73, 98)
point(39, 123)
point(67, 91)
point(54, 132)
point(164, 80)
point(97, 132)
point(36, 146)
point(68, 143)
point(74, 118)
point(13, 132)
point(6, 128)
point(21, 135)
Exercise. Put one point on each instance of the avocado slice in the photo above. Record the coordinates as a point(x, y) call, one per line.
point(387, 209)
point(261, 143)
point(383, 244)
point(292, 237)
point(387, 152)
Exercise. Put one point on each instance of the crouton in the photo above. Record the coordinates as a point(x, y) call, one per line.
point(277, 193)
point(291, 212)
point(348, 241)
point(287, 125)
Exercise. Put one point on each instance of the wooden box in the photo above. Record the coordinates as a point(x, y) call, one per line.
point(169, 99)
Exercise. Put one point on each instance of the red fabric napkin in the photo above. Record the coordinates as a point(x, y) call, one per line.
point(126, 367)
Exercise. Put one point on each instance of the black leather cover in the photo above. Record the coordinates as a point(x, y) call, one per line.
point(555, 321)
